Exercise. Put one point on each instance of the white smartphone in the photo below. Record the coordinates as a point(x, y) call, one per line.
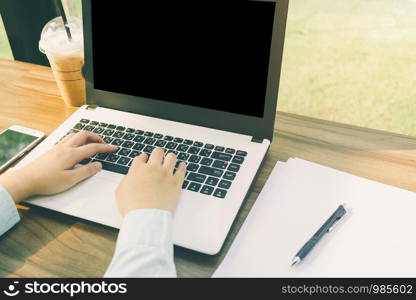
point(15, 142)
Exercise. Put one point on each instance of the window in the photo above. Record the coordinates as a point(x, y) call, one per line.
point(73, 7)
point(5, 51)
point(352, 62)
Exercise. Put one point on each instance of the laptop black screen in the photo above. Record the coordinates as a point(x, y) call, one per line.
point(211, 54)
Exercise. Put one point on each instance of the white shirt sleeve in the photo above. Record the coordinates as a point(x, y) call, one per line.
point(144, 246)
point(8, 211)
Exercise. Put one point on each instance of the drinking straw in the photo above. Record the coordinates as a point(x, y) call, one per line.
point(63, 15)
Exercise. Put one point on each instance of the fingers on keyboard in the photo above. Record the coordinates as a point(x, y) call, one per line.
point(209, 169)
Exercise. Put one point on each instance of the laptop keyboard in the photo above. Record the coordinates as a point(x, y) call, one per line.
point(211, 169)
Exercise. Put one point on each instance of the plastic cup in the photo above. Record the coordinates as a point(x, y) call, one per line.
point(66, 58)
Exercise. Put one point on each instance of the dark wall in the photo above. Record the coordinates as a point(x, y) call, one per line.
point(23, 21)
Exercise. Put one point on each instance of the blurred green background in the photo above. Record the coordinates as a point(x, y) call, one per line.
point(350, 61)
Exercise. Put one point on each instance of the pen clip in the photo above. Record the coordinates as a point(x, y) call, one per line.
point(334, 224)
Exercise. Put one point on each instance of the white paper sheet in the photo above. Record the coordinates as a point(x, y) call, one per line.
point(376, 239)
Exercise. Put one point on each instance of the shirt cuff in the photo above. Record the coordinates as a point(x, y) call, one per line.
point(8, 211)
point(150, 227)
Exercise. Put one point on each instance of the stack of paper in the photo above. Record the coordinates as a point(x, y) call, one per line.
point(377, 238)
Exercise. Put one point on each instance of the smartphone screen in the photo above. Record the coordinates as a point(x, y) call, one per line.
point(13, 142)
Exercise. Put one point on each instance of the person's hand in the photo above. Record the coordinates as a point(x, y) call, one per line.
point(54, 171)
point(151, 184)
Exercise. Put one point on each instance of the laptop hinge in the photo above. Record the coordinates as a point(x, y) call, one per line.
point(91, 107)
point(257, 140)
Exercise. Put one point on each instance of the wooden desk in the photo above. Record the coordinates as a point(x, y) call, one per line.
point(49, 244)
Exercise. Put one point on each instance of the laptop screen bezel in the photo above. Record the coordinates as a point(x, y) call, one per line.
point(259, 128)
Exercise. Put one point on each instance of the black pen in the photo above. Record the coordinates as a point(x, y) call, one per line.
point(327, 227)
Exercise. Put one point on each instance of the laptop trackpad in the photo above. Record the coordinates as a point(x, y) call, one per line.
point(93, 199)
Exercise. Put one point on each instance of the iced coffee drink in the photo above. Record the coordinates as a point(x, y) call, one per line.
point(66, 57)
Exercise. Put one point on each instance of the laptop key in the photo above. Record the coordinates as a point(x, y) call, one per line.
point(220, 164)
point(209, 146)
point(168, 138)
point(112, 158)
point(160, 143)
point(178, 140)
point(198, 144)
point(138, 139)
point(102, 124)
point(149, 141)
point(192, 167)
point(219, 193)
point(238, 160)
point(117, 142)
point(148, 149)
point(130, 130)
point(205, 152)
point(89, 128)
point(128, 136)
point(229, 175)
point(241, 153)
point(183, 156)
point(233, 167)
point(85, 121)
point(194, 187)
point(111, 126)
point(207, 190)
point(158, 136)
point(102, 156)
point(188, 142)
point(121, 128)
point(128, 144)
point(212, 181)
point(210, 171)
point(230, 151)
point(206, 161)
point(185, 184)
point(134, 153)
point(196, 177)
point(171, 145)
point(98, 130)
point(193, 150)
point(113, 167)
point(195, 159)
point(94, 123)
point(138, 147)
point(79, 126)
point(225, 184)
point(118, 134)
point(124, 152)
point(148, 134)
point(219, 148)
point(182, 148)
point(123, 161)
point(139, 132)
point(221, 156)
point(108, 132)
point(108, 139)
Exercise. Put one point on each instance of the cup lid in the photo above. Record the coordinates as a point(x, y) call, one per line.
point(54, 39)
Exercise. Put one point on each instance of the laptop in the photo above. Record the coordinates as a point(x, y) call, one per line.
point(199, 79)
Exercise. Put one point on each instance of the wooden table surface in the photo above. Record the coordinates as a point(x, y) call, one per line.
point(49, 244)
